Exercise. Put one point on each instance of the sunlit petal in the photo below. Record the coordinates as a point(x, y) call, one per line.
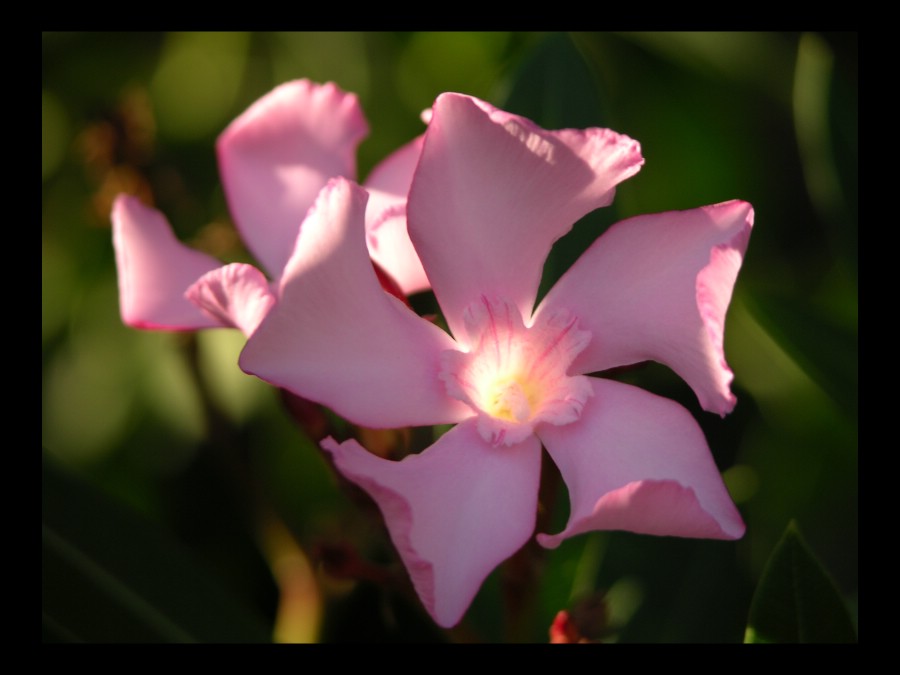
point(493, 191)
point(337, 338)
point(657, 287)
point(277, 155)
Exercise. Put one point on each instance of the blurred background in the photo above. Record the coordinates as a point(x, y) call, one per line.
point(180, 501)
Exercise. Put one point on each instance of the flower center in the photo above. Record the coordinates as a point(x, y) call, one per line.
point(514, 376)
point(508, 400)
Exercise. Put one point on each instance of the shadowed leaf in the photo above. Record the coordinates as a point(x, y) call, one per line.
point(796, 601)
point(109, 576)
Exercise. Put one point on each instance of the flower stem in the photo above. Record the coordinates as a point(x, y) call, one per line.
point(523, 571)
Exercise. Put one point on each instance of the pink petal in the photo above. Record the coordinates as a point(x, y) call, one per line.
point(454, 512)
point(638, 462)
point(278, 154)
point(493, 191)
point(155, 269)
point(389, 243)
point(236, 295)
point(657, 287)
point(335, 337)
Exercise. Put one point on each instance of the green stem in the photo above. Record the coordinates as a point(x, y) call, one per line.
point(523, 571)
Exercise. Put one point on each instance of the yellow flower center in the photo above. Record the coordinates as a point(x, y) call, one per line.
point(511, 400)
point(514, 377)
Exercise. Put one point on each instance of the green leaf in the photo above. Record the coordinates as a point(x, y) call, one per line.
point(555, 87)
point(796, 600)
point(109, 576)
point(826, 116)
point(820, 344)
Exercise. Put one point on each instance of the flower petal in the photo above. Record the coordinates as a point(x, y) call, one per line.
point(657, 287)
point(155, 269)
point(639, 462)
point(236, 295)
point(493, 191)
point(389, 243)
point(454, 512)
point(335, 337)
point(278, 154)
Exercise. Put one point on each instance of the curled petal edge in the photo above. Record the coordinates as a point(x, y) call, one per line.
point(715, 285)
point(236, 295)
point(622, 509)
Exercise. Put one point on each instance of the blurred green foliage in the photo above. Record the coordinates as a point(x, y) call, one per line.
point(169, 427)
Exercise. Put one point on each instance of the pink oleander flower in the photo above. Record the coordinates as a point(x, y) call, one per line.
point(273, 161)
point(491, 193)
